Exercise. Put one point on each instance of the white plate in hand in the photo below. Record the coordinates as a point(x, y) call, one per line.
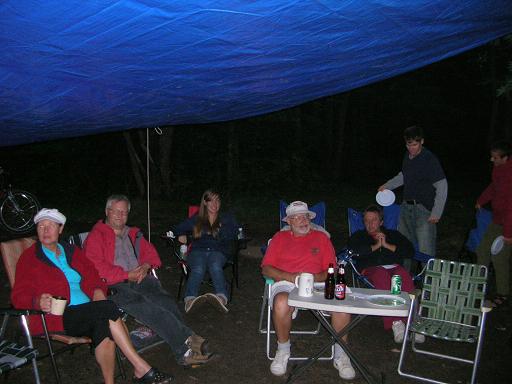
point(385, 197)
point(386, 300)
point(497, 245)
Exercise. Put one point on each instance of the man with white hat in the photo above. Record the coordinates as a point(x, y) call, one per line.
point(289, 254)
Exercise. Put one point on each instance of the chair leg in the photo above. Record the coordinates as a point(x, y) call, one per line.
point(50, 349)
point(180, 286)
point(120, 364)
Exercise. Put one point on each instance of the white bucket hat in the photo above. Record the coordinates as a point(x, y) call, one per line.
point(50, 214)
point(297, 208)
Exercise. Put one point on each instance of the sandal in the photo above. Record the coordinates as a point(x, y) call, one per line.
point(153, 376)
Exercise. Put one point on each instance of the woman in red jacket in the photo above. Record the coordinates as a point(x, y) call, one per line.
point(49, 268)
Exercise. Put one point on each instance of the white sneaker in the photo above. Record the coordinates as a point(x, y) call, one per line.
point(344, 367)
point(278, 366)
point(398, 331)
point(419, 338)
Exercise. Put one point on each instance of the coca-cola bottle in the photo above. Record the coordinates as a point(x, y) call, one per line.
point(329, 283)
point(341, 284)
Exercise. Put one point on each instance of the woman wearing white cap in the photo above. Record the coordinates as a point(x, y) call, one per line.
point(49, 268)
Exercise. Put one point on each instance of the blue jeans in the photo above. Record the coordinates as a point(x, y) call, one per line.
point(150, 304)
point(201, 261)
point(415, 226)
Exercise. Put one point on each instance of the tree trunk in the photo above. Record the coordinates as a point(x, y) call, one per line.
point(341, 107)
point(165, 150)
point(233, 159)
point(135, 162)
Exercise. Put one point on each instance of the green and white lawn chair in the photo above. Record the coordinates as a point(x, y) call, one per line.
point(451, 308)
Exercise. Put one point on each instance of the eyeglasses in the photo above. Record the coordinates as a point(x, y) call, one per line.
point(299, 217)
point(117, 212)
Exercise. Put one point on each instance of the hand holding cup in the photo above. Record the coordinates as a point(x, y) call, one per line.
point(58, 305)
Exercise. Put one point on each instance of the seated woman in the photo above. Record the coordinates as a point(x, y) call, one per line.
point(381, 253)
point(212, 235)
point(49, 268)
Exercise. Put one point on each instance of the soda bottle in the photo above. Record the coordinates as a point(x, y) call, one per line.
point(341, 284)
point(329, 283)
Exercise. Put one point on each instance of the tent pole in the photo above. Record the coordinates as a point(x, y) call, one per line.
point(147, 184)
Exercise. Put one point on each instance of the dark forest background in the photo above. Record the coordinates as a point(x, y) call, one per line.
point(310, 151)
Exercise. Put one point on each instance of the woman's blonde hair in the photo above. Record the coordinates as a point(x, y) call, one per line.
point(202, 222)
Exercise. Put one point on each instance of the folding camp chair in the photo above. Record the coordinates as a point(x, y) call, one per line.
point(11, 251)
point(174, 245)
point(265, 321)
point(391, 220)
point(14, 355)
point(451, 309)
point(483, 218)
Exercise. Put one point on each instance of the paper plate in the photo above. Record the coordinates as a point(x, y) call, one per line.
point(387, 300)
point(385, 197)
point(497, 245)
point(319, 287)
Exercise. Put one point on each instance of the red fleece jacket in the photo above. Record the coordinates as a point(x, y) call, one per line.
point(36, 274)
point(100, 248)
point(499, 193)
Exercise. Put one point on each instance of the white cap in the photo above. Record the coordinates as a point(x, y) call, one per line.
point(50, 214)
point(297, 208)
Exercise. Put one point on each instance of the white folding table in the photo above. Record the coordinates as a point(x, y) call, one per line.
point(361, 302)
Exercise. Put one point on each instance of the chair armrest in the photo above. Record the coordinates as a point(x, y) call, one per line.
point(20, 312)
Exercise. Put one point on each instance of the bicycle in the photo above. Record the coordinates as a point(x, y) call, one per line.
point(17, 207)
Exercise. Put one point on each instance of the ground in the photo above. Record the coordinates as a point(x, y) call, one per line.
point(241, 348)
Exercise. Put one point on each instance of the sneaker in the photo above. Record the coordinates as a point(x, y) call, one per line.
point(398, 331)
point(191, 358)
point(419, 338)
point(278, 366)
point(197, 344)
point(344, 367)
point(193, 301)
point(217, 301)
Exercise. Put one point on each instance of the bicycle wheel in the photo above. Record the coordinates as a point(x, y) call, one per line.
point(18, 210)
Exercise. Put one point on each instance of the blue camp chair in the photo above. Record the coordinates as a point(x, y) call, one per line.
point(391, 220)
point(483, 218)
point(265, 322)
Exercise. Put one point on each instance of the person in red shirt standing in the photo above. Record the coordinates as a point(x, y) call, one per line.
point(499, 194)
point(302, 249)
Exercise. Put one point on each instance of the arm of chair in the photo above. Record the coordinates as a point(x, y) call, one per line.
point(20, 312)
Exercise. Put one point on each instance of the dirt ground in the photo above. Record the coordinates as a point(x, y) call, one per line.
point(241, 348)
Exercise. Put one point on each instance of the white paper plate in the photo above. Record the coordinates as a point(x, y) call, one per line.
point(385, 197)
point(497, 245)
point(387, 300)
point(319, 287)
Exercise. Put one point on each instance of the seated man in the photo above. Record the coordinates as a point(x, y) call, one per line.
point(124, 259)
point(289, 254)
point(381, 253)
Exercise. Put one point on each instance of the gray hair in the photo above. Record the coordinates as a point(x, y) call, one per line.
point(115, 198)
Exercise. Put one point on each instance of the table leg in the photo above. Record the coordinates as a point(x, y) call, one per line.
point(335, 337)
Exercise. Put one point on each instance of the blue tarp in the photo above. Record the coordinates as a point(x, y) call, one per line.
point(70, 68)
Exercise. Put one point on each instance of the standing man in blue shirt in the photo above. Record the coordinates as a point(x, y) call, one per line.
point(425, 192)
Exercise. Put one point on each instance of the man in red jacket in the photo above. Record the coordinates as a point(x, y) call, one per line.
point(499, 194)
point(124, 259)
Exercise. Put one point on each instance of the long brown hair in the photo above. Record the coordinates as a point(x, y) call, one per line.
point(202, 222)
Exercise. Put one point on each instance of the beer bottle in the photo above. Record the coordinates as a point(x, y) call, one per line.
point(341, 285)
point(329, 283)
